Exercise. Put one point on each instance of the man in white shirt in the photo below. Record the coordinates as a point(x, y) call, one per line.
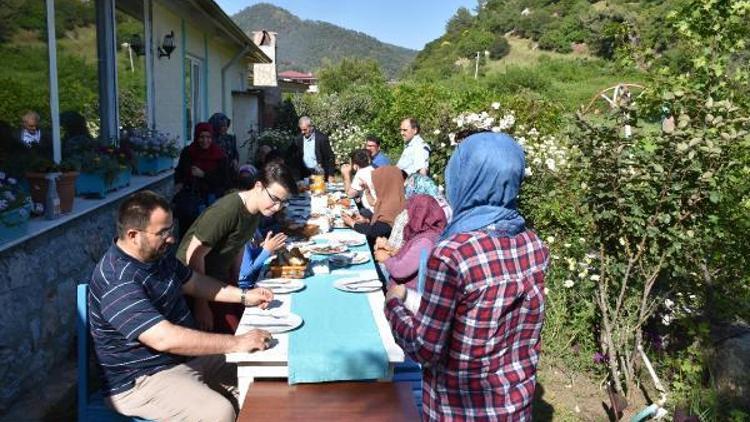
point(416, 156)
point(361, 183)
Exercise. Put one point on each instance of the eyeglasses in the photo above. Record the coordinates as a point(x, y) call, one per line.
point(274, 199)
point(163, 234)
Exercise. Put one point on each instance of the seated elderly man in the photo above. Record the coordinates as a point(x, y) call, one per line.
point(142, 327)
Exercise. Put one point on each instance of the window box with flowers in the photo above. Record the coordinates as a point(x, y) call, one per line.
point(15, 209)
point(104, 168)
point(154, 151)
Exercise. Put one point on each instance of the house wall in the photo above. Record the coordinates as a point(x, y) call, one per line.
point(196, 37)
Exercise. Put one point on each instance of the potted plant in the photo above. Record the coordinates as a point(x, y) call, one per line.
point(15, 209)
point(154, 151)
point(103, 167)
point(66, 180)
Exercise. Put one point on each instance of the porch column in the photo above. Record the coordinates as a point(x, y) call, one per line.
point(106, 48)
point(54, 105)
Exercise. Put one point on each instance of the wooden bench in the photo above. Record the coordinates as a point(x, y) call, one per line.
point(340, 401)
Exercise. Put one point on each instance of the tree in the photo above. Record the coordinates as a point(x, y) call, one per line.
point(349, 72)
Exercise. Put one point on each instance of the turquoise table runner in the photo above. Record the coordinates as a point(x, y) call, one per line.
point(339, 340)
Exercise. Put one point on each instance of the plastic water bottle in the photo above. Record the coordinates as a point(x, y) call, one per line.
point(52, 201)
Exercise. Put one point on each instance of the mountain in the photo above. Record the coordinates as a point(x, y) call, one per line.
point(304, 45)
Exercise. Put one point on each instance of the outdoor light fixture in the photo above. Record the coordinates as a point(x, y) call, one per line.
point(136, 43)
point(167, 46)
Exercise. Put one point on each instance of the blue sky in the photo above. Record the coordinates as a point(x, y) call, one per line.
point(408, 23)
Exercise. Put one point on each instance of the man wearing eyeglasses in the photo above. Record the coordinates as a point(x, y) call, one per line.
point(155, 364)
point(311, 152)
point(214, 243)
point(416, 155)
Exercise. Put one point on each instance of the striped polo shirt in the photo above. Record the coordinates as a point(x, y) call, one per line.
point(126, 298)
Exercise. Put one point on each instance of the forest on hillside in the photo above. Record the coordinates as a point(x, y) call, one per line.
point(306, 45)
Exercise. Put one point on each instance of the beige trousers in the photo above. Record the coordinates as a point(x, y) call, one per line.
point(201, 389)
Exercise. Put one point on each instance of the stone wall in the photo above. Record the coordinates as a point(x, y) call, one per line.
point(38, 296)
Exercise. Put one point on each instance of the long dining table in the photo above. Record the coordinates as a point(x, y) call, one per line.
point(273, 363)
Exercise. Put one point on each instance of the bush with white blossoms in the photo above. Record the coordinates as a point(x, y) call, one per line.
point(544, 152)
point(346, 139)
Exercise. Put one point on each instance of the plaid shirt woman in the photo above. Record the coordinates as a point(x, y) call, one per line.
point(477, 330)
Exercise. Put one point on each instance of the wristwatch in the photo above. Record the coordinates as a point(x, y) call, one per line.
point(243, 295)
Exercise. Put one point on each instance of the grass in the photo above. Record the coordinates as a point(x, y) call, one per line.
point(570, 79)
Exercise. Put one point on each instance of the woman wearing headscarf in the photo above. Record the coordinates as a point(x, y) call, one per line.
point(478, 324)
point(426, 223)
point(416, 184)
point(389, 189)
point(227, 142)
point(201, 176)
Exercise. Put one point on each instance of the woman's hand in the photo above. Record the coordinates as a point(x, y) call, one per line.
point(274, 242)
point(381, 255)
point(397, 291)
point(197, 172)
point(381, 242)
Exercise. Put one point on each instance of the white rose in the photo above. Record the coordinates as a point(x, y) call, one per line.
point(436, 132)
point(594, 277)
point(568, 283)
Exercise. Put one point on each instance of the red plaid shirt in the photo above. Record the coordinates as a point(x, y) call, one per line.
point(477, 331)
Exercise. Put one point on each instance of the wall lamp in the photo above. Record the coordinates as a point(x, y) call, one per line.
point(167, 46)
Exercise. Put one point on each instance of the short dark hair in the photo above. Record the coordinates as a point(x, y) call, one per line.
point(360, 157)
point(414, 123)
point(372, 138)
point(275, 172)
point(135, 212)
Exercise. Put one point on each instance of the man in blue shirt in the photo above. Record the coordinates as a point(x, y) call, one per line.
point(143, 330)
point(372, 145)
point(311, 152)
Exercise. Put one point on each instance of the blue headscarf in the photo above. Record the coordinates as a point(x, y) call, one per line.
point(419, 184)
point(482, 180)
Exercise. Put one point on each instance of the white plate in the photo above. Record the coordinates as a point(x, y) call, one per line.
point(281, 286)
point(348, 239)
point(358, 285)
point(349, 258)
point(271, 322)
point(324, 249)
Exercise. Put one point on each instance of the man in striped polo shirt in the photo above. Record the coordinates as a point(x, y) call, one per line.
point(143, 330)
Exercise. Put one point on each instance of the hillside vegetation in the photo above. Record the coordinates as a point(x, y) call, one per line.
point(306, 45)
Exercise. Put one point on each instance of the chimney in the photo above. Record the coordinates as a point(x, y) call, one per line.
point(264, 74)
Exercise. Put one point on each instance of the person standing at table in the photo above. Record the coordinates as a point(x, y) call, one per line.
point(213, 245)
point(144, 336)
point(377, 156)
point(311, 152)
point(416, 155)
point(478, 325)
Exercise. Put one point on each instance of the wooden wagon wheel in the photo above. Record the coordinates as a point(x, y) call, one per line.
point(614, 96)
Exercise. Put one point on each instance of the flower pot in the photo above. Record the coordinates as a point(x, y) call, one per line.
point(91, 185)
point(153, 165)
point(65, 188)
point(13, 223)
point(122, 180)
point(95, 184)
